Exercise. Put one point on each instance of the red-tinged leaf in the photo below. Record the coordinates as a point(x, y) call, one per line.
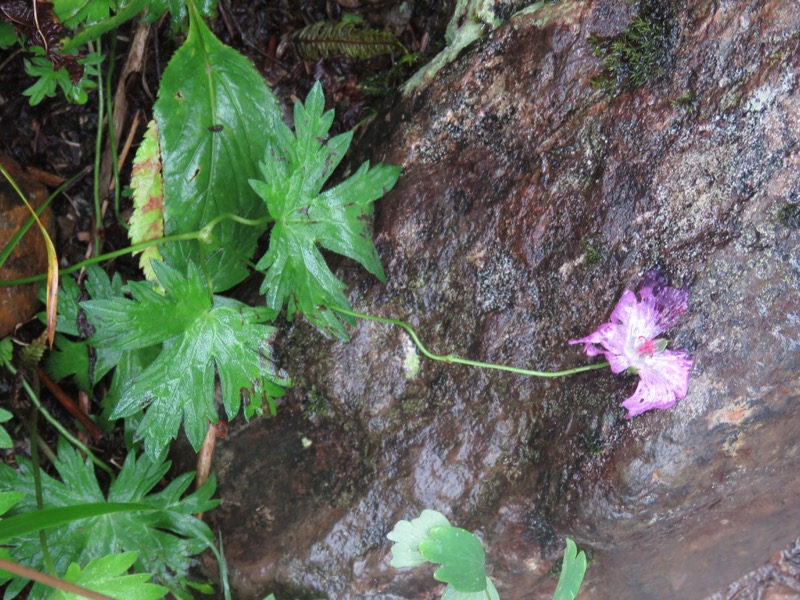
point(147, 220)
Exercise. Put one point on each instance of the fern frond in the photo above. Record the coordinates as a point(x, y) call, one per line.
point(325, 39)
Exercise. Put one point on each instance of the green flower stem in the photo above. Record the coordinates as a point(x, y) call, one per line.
point(203, 235)
point(453, 359)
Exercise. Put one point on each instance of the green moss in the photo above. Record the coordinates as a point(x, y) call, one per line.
point(594, 251)
point(687, 101)
point(789, 215)
point(639, 54)
point(316, 404)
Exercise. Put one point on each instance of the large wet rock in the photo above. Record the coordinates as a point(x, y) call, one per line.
point(530, 199)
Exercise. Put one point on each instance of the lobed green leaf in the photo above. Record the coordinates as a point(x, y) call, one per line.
point(461, 555)
point(294, 170)
point(202, 335)
point(573, 569)
point(108, 575)
point(166, 535)
point(408, 535)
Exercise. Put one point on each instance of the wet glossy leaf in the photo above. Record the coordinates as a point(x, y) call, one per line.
point(408, 535)
point(203, 336)
point(573, 569)
point(215, 116)
point(490, 593)
point(461, 555)
point(293, 172)
point(74, 12)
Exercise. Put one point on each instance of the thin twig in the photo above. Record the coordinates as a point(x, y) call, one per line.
point(67, 403)
point(48, 580)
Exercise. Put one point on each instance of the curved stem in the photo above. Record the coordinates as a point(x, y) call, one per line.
point(453, 359)
point(203, 235)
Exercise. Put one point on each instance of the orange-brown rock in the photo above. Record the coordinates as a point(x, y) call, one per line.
point(19, 303)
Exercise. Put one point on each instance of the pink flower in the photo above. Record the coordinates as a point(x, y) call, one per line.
point(630, 342)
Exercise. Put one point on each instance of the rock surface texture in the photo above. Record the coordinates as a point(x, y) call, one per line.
point(530, 200)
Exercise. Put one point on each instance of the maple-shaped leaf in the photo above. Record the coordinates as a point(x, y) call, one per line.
point(202, 335)
point(295, 168)
point(147, 220)
point(165, 538)
point(408, 535)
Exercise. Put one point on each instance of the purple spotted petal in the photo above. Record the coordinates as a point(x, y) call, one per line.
point(664, 381)
point(629, 341)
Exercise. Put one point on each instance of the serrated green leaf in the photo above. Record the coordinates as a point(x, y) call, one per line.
point(108, 575)
point(215, 115)
point(72, 357)
point(49, 80)
point(147, 220)
point(573, 569)
point(408, 535)
point(202, 335)
point(294, 170)
point(165, 539)
point(461, 555)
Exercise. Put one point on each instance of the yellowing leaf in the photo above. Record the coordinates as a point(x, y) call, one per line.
point(147, 220)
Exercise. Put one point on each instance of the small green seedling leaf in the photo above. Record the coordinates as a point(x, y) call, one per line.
point(8, 35)
point(147, 220)
point(109, 575)
point(408, 535)
point(461, 555)
point(490, 593)
point(49, 80)
point(295, 168)
point(572, 571)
